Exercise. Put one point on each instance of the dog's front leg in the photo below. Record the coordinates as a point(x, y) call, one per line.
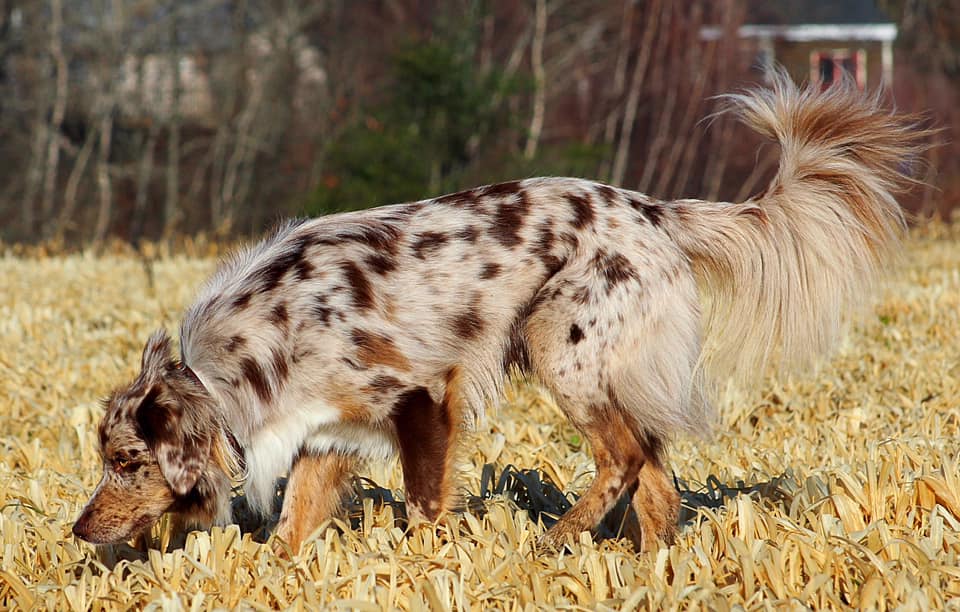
point(315, 492)
point(427, 432)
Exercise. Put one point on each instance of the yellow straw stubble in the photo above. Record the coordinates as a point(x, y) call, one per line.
point(861, 503)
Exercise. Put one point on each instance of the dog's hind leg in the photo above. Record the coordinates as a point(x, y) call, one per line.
point(618, 459)
point(655, 501)
point(616, 342)
point(315, 491)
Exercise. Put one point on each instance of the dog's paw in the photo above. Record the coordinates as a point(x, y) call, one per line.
point(555, 541)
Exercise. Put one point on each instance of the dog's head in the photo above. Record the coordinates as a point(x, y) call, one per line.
point(155, 442)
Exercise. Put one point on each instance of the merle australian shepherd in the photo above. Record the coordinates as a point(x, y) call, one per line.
point(363, 335)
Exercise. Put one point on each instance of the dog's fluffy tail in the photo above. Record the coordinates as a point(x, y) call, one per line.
point(780, 270)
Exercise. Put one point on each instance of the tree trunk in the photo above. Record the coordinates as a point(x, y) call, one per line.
point(684, 139)
point(720, 146)
point(66, 219)
point(539, 80)
point(619, 79)
point(104, 185)
point(144, 178)
point(633, 99)
point(171, 209)
point(56, 120)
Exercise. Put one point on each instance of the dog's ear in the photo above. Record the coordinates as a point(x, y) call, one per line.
point(171, 430)
point(157, 355)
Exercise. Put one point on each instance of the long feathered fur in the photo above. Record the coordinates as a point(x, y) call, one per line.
point(780, 270)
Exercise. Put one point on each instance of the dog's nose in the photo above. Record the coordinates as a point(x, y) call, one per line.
point(80, 528)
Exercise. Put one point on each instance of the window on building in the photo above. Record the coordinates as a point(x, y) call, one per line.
point(827, 67)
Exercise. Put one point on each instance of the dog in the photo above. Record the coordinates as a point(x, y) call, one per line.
point(388, 331)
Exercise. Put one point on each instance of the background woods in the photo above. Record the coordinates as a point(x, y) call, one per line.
point(149, 118)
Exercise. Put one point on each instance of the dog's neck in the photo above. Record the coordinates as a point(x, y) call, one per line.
point(209, 501)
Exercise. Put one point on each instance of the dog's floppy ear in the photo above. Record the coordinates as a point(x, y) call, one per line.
point(171, 417)
point(181, 450)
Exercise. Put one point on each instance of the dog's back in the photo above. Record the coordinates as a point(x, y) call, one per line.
point(314, 335)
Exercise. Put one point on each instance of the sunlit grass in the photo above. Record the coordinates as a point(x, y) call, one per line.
point(854, 473)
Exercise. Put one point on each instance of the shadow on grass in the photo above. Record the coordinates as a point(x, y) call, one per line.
point(534, 492)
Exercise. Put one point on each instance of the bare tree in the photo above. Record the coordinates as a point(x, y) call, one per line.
point(104, 124)
point(61, 72)
point(619, 75)
point(633, 98)
point(539, 79)
point(171, 210)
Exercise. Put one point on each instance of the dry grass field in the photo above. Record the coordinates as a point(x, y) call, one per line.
point(858, 503)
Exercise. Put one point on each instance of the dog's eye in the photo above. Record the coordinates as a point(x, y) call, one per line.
point(123, 465)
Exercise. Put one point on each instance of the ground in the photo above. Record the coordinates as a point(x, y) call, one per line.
point(858, 502)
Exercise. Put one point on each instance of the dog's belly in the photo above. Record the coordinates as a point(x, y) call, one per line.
point(366, 441)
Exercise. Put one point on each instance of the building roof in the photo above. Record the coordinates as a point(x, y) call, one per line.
point(793, 12)
point(811, 20)
point(809, 32)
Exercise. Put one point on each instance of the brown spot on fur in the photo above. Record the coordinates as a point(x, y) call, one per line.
point(570, 240)
point(242, 300)
point(545, 240)
point(468, 234)
point(650, 211)
point(345, 399)
point(543, 248)
point(501, 189)
point(576, 334)
point(489, 270)
point(467, 199)
point(235, 342)
point(377, 349)
point(381, 263)
point(583, 214)
point(509, 217)
point(255, 375)
point(280, 367)
point(581, 295)
point(279, 315)
point(553, 264)
point(468, 324)
point(615, 269)
point(321, 310)
point(607, 193)
point(360, 288)
point(304, 269)
point(267, 277)
point(380, 235)
point(428, 243)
